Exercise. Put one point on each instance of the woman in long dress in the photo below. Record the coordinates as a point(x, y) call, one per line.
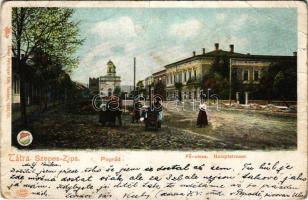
point(202, 116)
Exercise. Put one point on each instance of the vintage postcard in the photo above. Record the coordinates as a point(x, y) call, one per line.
point(153, 100)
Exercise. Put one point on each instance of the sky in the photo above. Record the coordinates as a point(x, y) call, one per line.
point(160, 36)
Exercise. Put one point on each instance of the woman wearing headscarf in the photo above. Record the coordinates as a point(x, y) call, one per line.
point(202, 116)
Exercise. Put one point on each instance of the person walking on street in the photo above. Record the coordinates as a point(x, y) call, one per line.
point(202, 116)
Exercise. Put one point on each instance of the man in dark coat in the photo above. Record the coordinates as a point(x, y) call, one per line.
point(119, 111)
point(102, 114)
point(157, 106)
point(136, 111)
point(113, 110)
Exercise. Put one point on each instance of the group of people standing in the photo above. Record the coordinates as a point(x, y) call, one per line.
point(151, 115)
point(111, 111)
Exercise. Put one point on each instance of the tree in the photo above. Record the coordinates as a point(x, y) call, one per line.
point(44, 34)
point(280, 81)
point(218, 76)
point(117, 91)
point(221, 66)
point(160, 88)
point(178, 86)
point(193, 83)
point(266, 82)
point(141, 89)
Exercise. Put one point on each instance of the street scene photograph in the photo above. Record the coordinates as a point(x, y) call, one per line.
point(179, 79)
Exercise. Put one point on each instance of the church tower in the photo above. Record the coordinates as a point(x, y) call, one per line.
point(110, 81)
point(111, 68)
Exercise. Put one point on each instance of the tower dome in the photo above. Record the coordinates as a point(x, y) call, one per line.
point(111, 68)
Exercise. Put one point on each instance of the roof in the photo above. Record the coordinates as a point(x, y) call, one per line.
point(159, 72)
point(111, 77)
point(222, 53)
point(80, 85)
point(148, 77)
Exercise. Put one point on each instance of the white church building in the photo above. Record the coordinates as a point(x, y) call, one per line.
point(110, 81)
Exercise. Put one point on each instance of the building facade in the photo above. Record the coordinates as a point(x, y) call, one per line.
point(110, 81)
point(148, 81)
point(15, 88)
point(31, 89)
point(184, 77)
point(94, 85)
point(187, 72)
point(159, 76)
point(247, 72)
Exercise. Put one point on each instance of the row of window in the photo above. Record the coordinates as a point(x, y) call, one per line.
point(191, 75)
point(180, 77)
point(171, 79)
point(246, 77)
point(186, 95)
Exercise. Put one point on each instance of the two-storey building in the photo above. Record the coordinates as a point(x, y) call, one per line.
point(190, 71)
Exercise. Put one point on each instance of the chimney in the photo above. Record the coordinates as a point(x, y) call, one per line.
point(295, 53)
point(194, 53)
point(216, 46)
point(203, 50)
point(232, 48)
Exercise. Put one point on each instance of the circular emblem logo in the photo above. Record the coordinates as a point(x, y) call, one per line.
point(24, 138)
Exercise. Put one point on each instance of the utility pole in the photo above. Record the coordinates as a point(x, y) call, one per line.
point(201, 82)
point(150, 97)
point(134, 75)
point(230, 80)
